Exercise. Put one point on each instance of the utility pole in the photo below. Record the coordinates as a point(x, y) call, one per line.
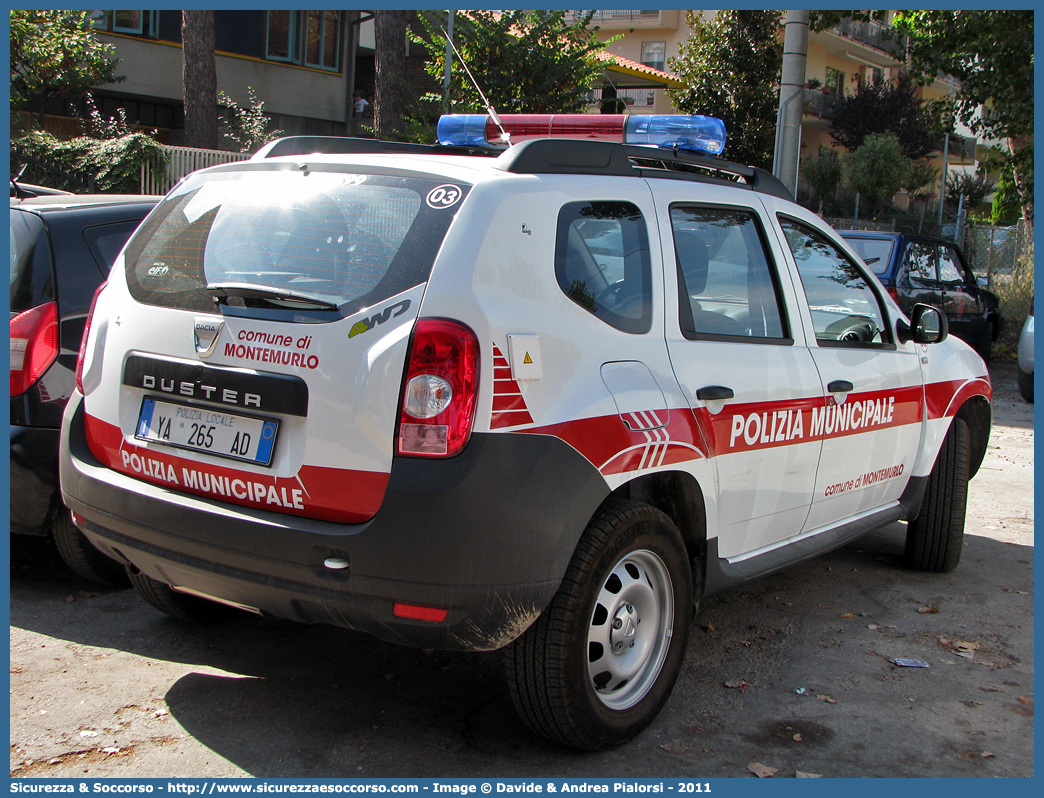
point(787, 156)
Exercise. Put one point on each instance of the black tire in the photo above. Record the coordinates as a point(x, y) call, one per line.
point(985, 347)
point(935, 537)
point(632, 559)
point(184, 607)
point(82, 557)
point(1026, 386)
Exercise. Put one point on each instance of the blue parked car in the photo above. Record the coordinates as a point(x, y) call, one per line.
point(930, 270)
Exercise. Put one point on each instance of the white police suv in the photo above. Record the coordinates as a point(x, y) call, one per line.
point(540, 398)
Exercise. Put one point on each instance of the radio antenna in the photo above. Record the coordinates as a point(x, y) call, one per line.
point(504, 135)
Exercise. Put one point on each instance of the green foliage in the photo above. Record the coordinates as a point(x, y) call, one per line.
point(1015, 294)
point(115, 163)
point(877, 169)
point(731, 67)
point(991, 53)
point(525, 61)
point(98, 127)
point(922, 178)
point(819, 21)
point(1006, 208)
point(823, 173)
point(975, 188)
point(246, 128)
point(880, 106)
point(56, 53)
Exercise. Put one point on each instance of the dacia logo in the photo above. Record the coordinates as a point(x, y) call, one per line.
point(205, 333)
point(365, 325)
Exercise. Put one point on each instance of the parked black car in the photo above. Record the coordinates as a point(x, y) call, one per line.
point(61, 249)
point(916, 268)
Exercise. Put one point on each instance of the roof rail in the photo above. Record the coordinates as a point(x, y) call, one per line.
point(578, 156)
point(346, 145)
point(554, 157)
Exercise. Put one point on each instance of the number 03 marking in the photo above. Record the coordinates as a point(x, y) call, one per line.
point(443, 196)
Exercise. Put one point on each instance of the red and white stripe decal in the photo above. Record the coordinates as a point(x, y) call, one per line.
point(509, 406)
point(330, 494)
point(614, 448)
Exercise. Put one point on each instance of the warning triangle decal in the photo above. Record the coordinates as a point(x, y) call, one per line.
point(527, 359)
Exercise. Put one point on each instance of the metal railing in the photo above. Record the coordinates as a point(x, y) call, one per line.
point(873, 34)
point(180, 162)
point(613, 14)
point(820, 103)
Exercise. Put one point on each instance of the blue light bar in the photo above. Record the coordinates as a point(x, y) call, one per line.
point(700, 134)
point(468, 130)
point(703, 134)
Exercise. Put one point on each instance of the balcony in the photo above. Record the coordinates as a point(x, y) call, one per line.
point(821, 104)
point(623, 19)
point(962, 149)
point(873, 34)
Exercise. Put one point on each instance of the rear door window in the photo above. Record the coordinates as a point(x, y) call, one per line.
point(875, 252)
point(349, 240)
point(106, 240)
point(602, 262)
point(30, 262)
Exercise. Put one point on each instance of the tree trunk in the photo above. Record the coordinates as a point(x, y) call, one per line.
point(199, 79)
point(1022, 170)
point(390, 97)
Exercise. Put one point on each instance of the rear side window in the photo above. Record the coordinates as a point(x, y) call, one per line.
point(875, 252)
point(30, 265)
point(106, 240)
point(348, 239)
point(602, 262)
point(729, 285)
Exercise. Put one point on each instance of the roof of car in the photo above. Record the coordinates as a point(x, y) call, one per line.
point(51, 202)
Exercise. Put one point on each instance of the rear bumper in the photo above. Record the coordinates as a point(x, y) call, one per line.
point(486, 535)
point(34, 478)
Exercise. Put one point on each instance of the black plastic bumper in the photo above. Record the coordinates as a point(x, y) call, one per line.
point(34, 478)
point(487, 535)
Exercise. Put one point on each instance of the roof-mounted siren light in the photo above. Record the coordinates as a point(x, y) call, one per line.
point(700, 134)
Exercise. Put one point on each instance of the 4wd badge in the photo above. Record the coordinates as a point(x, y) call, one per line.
point(206, 331)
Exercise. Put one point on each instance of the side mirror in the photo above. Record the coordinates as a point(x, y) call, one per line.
point(928, 325)
point(982, 282)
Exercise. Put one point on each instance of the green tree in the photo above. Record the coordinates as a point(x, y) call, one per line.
point(881, 106)
point(56, 54)
point(974, 188)
point(731, 68)
point(991, 53)
point(525, 61)
point(246, 128)
point(1006, 208)
point(877, 169)
point(824, 174)
point(922, 178)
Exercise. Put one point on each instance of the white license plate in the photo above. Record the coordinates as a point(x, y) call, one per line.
point(208, 430)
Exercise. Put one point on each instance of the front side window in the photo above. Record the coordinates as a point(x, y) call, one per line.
point(729, 285)
point(920, 262)
point(602, 262)
point(845, 309)
point(950, 268)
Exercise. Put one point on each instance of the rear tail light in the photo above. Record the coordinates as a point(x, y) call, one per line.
point(438, 396)
point(34, 345)
point(892, 292)
point(418, 612)
point(83, 340)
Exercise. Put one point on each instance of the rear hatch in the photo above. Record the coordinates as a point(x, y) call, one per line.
point(251, 348)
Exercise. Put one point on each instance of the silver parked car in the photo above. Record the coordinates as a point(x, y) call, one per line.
point(1026, 357)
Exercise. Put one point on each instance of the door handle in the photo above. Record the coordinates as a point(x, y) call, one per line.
point(840, 386)
point(709, 393)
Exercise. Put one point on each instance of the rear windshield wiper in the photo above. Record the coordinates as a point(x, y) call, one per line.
point(222, 291)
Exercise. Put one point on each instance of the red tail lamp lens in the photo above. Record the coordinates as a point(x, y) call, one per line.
point(438, 397)
point(34, 345)
point(83, 340)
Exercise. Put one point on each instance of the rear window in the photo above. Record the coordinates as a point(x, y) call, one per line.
point(870, 248)
point(30, 264)
point(349, 240)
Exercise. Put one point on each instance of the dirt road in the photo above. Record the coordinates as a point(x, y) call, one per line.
point(793, 672)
